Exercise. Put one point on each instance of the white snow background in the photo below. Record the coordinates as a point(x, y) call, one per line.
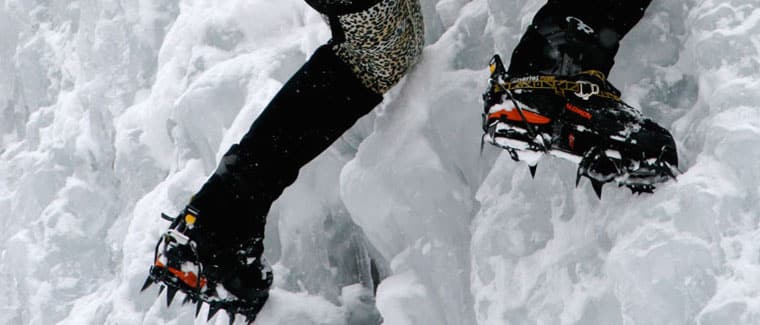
point(113, 111)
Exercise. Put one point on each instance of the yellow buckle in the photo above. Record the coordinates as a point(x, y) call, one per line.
point(190, 219)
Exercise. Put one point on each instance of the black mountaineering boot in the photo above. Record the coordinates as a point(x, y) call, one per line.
point(192, 260)
point(556, 99)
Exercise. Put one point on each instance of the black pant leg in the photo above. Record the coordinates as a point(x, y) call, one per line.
point(570, 36)
point(315, 107)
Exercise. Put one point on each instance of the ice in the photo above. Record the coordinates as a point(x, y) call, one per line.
point(112, 112)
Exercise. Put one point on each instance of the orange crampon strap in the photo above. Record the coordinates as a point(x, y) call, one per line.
point(188, 278)
point(514, 115)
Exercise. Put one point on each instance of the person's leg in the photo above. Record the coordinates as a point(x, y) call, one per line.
point(221, 231)
point(567, 37)
point(341, 82)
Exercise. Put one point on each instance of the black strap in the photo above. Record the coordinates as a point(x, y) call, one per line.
point(338, 34)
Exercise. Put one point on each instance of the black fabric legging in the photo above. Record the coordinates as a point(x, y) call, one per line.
point(315, 107)
point(570, 36)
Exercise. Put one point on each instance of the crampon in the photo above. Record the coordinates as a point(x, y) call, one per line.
point(578, 118)
point(178, 267)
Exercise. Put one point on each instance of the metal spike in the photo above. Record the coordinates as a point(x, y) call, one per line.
point(578, 176)
point(597, 185)
point(513, 154)
point(187, 300)
point(161, 289)
point(170, 293)
point(231, 315)
point(212, 311)
point(670, 172)
point(198, 308)
point(148, 283)
point(533, 170)
point(482, 144)
point(491, 131)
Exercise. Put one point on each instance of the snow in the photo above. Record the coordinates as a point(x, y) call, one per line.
point(112, 112)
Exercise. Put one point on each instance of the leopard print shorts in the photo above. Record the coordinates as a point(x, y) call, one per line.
point(381, 43)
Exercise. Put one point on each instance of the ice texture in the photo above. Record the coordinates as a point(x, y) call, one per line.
point(112, 112)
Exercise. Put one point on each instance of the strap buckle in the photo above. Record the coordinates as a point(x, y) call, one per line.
point(177, 236)
point(586, 89)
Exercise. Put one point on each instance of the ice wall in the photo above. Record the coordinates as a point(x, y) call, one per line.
point(114, 111)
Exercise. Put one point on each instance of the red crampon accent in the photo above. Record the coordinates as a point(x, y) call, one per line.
point(189, 278)
point(514, 115)
point(578, 110)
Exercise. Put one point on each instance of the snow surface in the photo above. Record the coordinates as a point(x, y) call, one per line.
point(112, 112)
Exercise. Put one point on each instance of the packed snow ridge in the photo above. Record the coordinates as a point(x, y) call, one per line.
point(112, 112)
